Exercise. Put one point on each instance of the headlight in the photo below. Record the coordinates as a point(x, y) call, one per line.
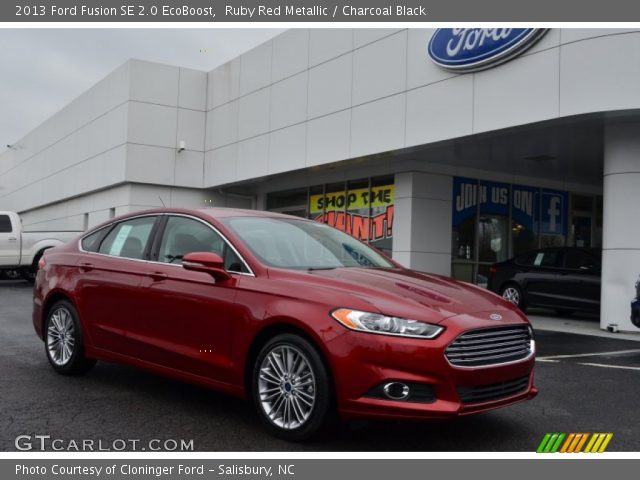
point(381, 324)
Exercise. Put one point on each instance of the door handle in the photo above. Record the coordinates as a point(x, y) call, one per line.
point(13, 240)
point(86, 267)
point(158, 276)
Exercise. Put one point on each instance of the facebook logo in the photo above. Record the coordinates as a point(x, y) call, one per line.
point(554, 212)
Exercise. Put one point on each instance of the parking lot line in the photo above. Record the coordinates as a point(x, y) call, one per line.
point(552, 358)
point(621, 367)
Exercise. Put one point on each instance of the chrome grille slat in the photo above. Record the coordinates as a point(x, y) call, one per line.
point(466, 348)
point(485, 353)
point(493, 357)
point(494, 339)
point(490, 346)
point(489, 333)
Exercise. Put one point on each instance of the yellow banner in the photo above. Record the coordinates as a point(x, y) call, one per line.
point(353, 199)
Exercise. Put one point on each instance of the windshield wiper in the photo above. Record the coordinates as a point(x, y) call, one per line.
point(313, 269)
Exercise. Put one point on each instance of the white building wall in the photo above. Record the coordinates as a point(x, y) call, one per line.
point(68, 172)
point(349, 93)
point(621, 230)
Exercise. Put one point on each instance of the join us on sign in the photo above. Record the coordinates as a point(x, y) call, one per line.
point(472, 193)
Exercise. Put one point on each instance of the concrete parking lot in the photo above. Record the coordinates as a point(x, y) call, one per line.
point(587, 384)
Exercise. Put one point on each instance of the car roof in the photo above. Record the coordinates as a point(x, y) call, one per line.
point(213, 212)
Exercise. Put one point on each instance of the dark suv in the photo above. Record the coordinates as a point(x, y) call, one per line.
point(565, 279)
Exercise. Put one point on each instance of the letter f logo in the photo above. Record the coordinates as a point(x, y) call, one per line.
point(553, 212)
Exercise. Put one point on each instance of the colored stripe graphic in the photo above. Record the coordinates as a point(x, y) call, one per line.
point(550, 443)
point(574, 443)
point(598, 443)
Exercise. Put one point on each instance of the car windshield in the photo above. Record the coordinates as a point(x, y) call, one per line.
point(300, 244)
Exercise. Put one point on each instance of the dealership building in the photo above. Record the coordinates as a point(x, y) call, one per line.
point(448, 165)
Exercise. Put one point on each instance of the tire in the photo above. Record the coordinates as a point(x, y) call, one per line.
point(513, 293)
point(29, 273)
point(63, 340)
point(295, 403)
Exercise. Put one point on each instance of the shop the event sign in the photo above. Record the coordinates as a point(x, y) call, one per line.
point(349, 211)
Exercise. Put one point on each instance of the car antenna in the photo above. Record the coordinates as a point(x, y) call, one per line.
point(160, 198)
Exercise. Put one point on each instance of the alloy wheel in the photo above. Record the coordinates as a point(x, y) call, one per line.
point(511, 294)
point(61, 339)
point(287, 387)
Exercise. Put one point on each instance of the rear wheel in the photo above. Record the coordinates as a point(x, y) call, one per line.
point(63, 340)
point(291, 388)
point(512, 293)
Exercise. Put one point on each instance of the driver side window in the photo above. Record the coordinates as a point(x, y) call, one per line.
point(184, 235)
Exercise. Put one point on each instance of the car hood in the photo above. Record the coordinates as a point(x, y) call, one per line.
point(398, 292)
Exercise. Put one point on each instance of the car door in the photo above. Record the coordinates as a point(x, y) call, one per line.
point(540, 279)
point(111, 268)
point(581, 279)
point(9, 242)
point(189, 320)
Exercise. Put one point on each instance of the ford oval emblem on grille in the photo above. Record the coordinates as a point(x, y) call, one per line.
point(495, 316)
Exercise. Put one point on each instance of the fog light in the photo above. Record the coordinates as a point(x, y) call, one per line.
point(396, 390)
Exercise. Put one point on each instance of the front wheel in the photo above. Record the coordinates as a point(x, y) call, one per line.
point(63, 340)
point(291, 388)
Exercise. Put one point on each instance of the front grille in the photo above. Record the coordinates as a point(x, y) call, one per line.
point(496, 391)
point(490, 346)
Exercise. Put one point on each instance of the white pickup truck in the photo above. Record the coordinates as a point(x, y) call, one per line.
point(20, 251)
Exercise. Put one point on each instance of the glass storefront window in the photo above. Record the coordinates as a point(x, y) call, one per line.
point(493, 222)
point(525, 208)
point(465, 214)
point(291, 202)
point(363, 208)
point(382, 211)
point(502, 220)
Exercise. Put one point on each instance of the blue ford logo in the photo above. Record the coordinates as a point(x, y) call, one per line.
point(472, 49)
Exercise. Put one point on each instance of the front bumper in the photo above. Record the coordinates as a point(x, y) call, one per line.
point(362, 362)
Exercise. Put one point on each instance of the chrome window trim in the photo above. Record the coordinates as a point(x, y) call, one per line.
point(224, 238)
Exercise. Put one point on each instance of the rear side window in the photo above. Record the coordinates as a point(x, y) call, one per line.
point(526, 258)
point(580, 260)
point(5, 224)
point(91, 243)
point(128, 239)
point(540, 258)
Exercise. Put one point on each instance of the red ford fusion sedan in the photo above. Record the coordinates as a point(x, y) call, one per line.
point(301, 319)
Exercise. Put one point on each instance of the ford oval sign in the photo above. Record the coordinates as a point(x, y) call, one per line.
point(473, 49)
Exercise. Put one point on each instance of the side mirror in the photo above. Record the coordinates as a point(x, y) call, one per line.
point(206, 262)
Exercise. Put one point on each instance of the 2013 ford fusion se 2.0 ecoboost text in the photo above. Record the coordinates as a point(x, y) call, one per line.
point(303, 320)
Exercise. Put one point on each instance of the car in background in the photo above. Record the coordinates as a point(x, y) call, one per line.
point(21, 250)
point(635, 306)
point(564, 279)
point(299, 318)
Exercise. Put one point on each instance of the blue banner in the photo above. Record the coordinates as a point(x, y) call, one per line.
point(529, 205)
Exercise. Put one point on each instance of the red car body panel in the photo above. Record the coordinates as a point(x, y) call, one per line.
point(182, 324)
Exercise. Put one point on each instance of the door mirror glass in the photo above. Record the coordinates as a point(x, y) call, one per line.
point(206, 262)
